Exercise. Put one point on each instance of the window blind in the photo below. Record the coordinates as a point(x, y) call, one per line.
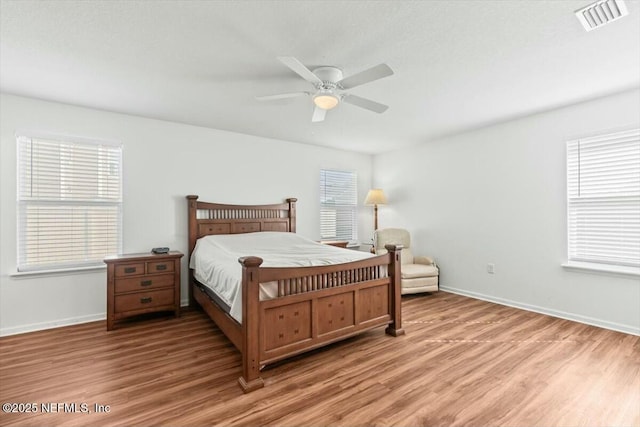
point(338, 205)
point(603, 188)
point(69, 203)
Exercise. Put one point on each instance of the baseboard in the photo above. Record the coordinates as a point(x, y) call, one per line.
point(34, 327)
point(618, 327)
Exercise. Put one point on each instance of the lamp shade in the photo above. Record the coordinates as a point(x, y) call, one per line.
point(375, 197)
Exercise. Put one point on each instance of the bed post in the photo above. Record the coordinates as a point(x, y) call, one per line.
point(292, 214)
point(193, 236)
point(250, 379)
point(395, 328)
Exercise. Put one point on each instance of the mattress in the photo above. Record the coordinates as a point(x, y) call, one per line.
point(215, 261)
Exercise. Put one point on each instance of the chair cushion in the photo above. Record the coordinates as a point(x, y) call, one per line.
point(406, 256)
point(392, 235)
point(397, 236)
point(412, 271)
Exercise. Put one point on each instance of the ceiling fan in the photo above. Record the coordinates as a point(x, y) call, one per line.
point(330, 87)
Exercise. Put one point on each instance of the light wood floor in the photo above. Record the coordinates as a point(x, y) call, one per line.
point(461, 362)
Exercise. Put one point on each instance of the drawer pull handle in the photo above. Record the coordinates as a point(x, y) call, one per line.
point(145, 300)
point(146, 283)
point(161, 267)
point(130, 270)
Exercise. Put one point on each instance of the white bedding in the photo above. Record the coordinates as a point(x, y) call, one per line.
point(215, 260)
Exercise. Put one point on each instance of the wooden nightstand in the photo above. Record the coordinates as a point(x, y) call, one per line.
point(142, 283)
point(338, 243)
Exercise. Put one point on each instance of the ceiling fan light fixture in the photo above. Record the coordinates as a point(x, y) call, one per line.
point(326, 100)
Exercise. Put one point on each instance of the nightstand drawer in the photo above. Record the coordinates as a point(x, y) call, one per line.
point(144, 283)
point(160, 267)
point(123, 270)
point(336, 243)
point(143, 300)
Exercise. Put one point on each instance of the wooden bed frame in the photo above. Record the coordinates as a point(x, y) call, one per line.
point(315, 305)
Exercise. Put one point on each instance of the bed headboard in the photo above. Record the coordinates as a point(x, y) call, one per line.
point(214, 218)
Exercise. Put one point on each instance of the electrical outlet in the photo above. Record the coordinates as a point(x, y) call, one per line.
point(491, 268)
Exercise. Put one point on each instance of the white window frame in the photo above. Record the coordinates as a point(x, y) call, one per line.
point(336, 203)
point(100, 196)
point(603, 203)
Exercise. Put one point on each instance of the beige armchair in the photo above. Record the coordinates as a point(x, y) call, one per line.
point(418, 273)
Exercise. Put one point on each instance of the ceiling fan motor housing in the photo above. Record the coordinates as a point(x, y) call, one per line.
point(329, 77)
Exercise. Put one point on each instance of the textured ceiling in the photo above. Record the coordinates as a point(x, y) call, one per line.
point(458, 64)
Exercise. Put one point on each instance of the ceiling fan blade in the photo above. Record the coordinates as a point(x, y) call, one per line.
point(366, 76)
point(300, 69)
point(318, 114)
point(281, 96)
point(365, 103)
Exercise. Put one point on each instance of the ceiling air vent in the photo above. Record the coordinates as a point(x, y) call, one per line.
point(601, 13)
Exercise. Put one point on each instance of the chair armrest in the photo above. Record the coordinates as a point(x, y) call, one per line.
point(427, 260)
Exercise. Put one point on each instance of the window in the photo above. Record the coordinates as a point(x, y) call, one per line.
point(338, 205)
point(603, 189)
point(69, 202)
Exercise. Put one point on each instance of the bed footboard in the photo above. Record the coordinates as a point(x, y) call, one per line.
point(315, 306)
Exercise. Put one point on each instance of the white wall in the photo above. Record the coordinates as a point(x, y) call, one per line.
point(498, 195)
point(163, 162)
